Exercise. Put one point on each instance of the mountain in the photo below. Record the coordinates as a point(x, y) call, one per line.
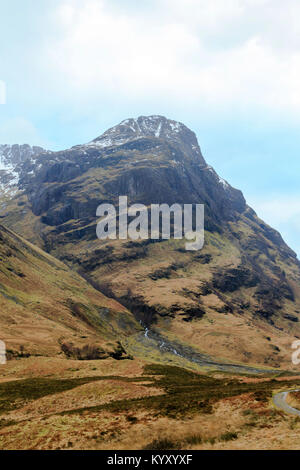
point(46, 309)
point(237, 299)
point(12, 157)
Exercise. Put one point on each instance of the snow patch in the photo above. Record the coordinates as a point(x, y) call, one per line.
point(218, 178)
point(157, 132)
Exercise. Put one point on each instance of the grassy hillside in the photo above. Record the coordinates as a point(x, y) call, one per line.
point(45, 308)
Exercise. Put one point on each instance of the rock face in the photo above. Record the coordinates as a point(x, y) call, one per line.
point(244, 283)
point(11, 159)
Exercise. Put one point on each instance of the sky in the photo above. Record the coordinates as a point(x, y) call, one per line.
point(228, 69)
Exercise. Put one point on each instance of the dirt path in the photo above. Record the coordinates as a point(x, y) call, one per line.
point(279, 401)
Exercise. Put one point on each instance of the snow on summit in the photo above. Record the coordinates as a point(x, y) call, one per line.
point(155, 126)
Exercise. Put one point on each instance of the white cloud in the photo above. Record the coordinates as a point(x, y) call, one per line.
point(219, 53)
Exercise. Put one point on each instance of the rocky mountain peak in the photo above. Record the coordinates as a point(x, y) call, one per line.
point(14, 154)
point(11, 159)
point(149, 126)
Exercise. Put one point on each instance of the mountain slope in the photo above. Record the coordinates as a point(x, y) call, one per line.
point(238, 298)
point(44, 306)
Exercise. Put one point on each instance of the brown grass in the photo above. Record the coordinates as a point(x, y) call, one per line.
point(240, 422)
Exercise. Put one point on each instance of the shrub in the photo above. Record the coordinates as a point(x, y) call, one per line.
point(132, 419)
point(163, 444)
point(86, 353)
point(228, 436)
point(194, 439)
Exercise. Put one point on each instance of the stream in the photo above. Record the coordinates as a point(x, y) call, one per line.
point(186, 352)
